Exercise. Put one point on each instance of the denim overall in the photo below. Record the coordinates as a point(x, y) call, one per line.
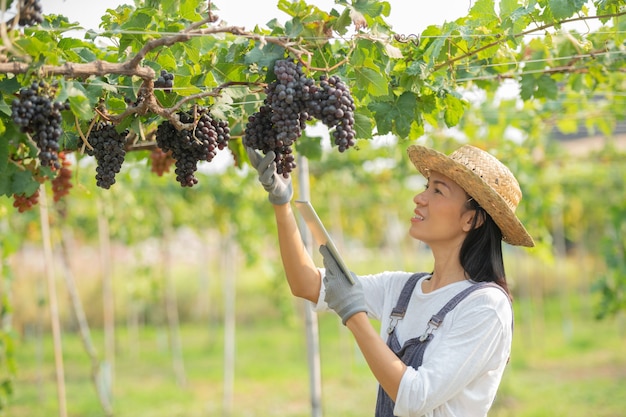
point(412, 353)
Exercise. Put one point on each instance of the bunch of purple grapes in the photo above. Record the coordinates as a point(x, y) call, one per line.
point(292, 100)
point(109, 149)
point(333, 105)
point(188, 147)
point(37, 114)
point(283, 115)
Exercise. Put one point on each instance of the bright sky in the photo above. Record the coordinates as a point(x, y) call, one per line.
point(407, 17)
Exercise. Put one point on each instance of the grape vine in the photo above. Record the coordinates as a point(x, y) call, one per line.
point(38, 115)
point(188, 147)
point(292, 100)
point(109, 150)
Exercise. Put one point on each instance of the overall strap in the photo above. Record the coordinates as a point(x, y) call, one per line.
point(399, 310)
point(412, 353)
point(437, 319)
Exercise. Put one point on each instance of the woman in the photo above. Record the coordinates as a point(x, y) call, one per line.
point(445, 337)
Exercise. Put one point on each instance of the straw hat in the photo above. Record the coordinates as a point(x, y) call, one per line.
point(485, 179)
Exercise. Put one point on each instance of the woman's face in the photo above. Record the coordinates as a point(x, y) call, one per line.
point(441, 216)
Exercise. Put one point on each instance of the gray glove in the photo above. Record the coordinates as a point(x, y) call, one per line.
point(343, 297)
point(278, 187)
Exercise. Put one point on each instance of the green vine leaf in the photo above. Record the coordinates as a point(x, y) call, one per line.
point(371, 80)
point(398, 114)
point(363, 124)
point(483, 12)
point(187, 9)
point(546, 87)
point(4, 155)
point(265, 55)
point(454, 108)
point(4, 108)
point(22, 182)
point(562, 9)
point(81, 101)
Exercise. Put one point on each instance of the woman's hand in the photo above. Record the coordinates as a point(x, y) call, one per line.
point(341, 296)
point(278, 187)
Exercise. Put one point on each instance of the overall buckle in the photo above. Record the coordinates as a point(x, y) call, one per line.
point(433, 324)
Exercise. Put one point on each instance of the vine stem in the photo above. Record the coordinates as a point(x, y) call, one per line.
point(519, 35)
point(132, 67)
point(82, 135)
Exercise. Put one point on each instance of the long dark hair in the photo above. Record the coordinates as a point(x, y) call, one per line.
point(481, 252)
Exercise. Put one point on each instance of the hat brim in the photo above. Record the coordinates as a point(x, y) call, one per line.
point(428, 160)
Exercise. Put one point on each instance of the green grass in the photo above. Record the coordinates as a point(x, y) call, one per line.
point(576, 369)
point(271, 374)
point(565, 365)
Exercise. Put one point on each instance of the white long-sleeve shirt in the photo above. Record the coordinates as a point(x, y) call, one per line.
point(463, 364)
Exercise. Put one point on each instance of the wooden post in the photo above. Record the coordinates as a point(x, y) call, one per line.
point(81, 319)
point(229, 273)
point(560, 249)
point(171, 304)
point(52, 300)
point(311, 324)
point(108, 302)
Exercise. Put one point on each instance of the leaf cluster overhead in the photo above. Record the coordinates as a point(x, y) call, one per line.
point(403, 84)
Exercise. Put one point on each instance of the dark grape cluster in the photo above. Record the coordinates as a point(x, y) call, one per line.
point(30, 13)
point(333, 105)
point(283, 116)
point(165, 81)
point(260, 133)
point(292, 100)
point(188, 147)
point(37, 114)
point(109, 149)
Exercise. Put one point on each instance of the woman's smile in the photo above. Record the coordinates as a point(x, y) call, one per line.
point(417, 217)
